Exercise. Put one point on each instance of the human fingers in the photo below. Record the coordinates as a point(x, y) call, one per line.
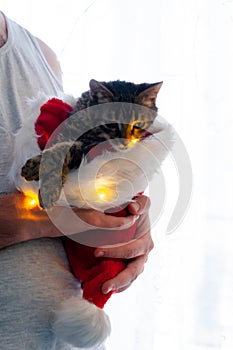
point(141, 205)
point(76, 220)
point(140, 246)
point(101, 220)
point(125, 278)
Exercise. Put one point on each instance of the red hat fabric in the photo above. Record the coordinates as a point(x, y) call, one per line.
point(53, 113)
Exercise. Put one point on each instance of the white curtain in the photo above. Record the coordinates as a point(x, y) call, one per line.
point(184, 298)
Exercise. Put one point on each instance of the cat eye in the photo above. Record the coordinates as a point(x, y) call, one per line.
point(139, 125)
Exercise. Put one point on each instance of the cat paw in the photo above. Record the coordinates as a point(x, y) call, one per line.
point(30, 170)
point(48, 195)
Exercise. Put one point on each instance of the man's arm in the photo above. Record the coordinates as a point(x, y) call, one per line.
point(18, 224)
point(3, 30)
point(51, 58)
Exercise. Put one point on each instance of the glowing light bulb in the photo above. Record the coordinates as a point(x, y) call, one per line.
point(102, 195)
point(132, 142)
point(104, 190)
point(31, 200)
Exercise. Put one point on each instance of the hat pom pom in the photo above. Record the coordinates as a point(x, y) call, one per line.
point(81, 323)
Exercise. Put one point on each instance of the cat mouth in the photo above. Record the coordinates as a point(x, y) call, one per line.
point(128, 144)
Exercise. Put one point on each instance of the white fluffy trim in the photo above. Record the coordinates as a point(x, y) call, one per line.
point(109, 180)
point(25, 145)
point(114, 178)
point(81, 323)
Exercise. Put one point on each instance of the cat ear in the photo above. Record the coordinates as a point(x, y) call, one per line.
point(99, 93)
point(148, 96)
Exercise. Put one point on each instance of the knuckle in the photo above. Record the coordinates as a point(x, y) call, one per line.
point(149, 243)
point(142, 269)
point(136, 270)
point(146, 202)
point(129, 254)
point(133, 274)
point(147, 249)
point(151, 246)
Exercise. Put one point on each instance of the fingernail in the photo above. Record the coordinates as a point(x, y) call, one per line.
point(99, 254)
point(107, 290)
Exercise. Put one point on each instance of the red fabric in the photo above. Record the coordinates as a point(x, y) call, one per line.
point(92, 271)
point(53, 113)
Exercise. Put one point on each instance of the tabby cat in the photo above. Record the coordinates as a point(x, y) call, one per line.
point(123, 119)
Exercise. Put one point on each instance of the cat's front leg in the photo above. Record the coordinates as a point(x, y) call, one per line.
point(42, 165)
point(51, 168)
point(65, 156)
point(50, 189)
point(47, 168)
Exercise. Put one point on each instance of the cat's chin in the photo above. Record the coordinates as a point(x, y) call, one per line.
point(122, 146)
point(114, 145)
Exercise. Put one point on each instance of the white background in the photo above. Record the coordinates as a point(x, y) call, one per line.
point(184, 299)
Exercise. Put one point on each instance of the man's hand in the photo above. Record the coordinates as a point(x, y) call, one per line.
point(17, 224)
point(136, 251)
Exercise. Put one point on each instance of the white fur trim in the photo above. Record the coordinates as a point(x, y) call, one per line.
point(26, 146)
point(119, 176)
point(80, 323)
point(114, 178)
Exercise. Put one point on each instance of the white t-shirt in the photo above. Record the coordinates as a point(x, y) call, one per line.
point(35, 275)
point(24, 72)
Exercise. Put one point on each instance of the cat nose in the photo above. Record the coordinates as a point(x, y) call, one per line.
point(124, 145)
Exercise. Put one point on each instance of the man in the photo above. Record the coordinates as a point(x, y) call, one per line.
point(34, 271)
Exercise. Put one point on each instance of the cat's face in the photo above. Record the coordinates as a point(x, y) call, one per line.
point(131, 96)
point(124, 135)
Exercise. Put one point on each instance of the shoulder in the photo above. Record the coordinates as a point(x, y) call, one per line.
point(51, 58)
point(3, 30)
point(48, 53)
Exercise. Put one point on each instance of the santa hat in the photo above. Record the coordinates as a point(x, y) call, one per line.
point(82, 321)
